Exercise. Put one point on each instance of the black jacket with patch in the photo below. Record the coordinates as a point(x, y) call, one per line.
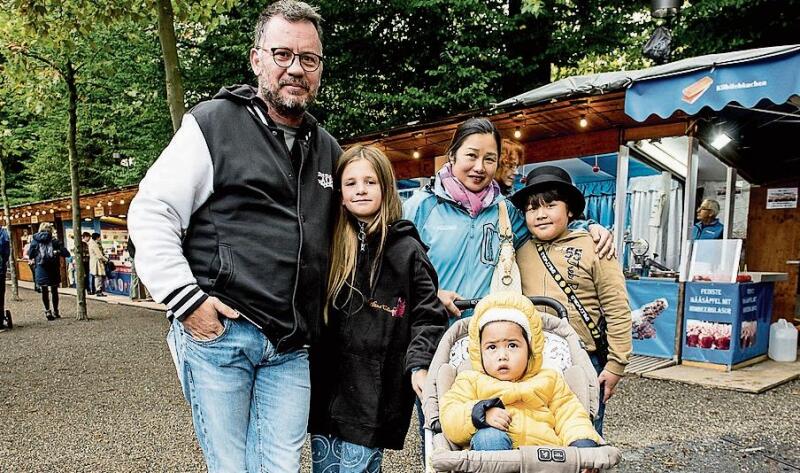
point(361, 371)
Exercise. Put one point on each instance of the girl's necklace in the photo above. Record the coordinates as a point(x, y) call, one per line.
point(362, 235)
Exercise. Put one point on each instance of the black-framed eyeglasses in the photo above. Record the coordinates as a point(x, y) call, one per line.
point(284, 58)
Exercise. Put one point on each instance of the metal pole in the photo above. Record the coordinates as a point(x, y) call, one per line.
point(666, 189)
point(730, 202)
point(621, 203)
point(689, 195)
point(690, 188)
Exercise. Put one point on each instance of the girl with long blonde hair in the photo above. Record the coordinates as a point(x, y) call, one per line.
point(383, 322)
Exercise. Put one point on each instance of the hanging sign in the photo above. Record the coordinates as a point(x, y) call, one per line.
point(782, 198)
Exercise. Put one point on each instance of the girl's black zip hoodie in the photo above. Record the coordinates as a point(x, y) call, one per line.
point(361, 371)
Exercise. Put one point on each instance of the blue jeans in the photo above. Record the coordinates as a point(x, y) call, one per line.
point(601, 411)
point(249, 403)
point(490, 438)
point(333, 455)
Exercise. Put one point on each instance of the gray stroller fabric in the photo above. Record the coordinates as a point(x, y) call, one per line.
point(581, 377)
point(582, 380)
point(525, 459)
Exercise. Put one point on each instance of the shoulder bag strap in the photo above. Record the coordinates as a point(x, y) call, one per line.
point(597, 335)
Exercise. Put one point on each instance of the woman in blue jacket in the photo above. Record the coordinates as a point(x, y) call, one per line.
point(458, 217)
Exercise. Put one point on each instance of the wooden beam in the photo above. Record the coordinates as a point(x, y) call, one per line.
point(412, 168)
point(572, 146)
point(654, 131)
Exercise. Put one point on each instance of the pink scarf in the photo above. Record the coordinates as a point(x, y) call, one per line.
point(471, 201)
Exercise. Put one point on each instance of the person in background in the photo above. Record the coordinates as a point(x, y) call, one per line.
point(97, 264)
point(72, 270)
point(45, 251)
point(88, 282)
point(25, 247)
point(512, 155)
point(5, 252)
point(708, 226)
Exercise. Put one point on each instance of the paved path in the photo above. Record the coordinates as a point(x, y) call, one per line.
point(102, 396)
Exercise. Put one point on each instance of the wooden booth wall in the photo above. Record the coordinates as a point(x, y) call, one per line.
point(773, 238)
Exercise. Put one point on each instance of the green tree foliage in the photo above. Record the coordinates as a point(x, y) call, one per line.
point(388, 62)
point(717, 26)
point(57, 37)
point(122, 114)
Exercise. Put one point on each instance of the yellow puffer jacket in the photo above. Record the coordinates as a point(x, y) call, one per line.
point(543, 409)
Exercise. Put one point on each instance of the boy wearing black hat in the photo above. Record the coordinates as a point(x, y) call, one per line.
point(562, 264)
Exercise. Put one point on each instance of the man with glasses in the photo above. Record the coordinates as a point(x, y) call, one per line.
point(231, 227)
point(708, 226)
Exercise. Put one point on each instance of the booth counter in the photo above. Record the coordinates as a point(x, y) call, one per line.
point(726, 325)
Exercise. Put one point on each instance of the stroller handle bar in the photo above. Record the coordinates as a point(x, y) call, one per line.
point(561, 311)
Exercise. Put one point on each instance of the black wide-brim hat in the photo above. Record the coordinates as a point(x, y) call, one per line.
point(547, 177)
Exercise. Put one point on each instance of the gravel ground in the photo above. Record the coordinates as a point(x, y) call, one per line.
point(102, 396)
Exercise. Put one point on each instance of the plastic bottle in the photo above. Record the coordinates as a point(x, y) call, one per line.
point(782, 341)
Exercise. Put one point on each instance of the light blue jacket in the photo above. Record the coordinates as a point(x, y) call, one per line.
point(712, 231)
point(464, 250)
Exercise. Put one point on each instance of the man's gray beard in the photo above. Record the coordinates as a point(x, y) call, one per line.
point(286, 108)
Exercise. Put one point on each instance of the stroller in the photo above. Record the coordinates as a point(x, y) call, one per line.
point(443, 456)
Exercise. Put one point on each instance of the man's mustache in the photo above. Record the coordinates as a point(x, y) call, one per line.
point(294, 83)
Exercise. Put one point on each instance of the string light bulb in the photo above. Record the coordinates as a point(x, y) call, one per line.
point(583, 122)
point(517, 133)
point(416, 154)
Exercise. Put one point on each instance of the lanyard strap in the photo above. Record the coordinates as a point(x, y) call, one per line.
point(571, 296)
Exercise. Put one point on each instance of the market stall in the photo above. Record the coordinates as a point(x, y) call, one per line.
point(103, 212)
point(708, 127)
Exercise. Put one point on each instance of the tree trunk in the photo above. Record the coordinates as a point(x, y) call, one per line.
point(169, 49)
point(7, 222)
point(80, 273)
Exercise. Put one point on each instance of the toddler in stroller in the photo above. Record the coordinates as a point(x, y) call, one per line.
point(514, 401)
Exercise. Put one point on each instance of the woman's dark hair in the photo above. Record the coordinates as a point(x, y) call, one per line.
point(95, 236)
point(473, 126)
point(551, 193)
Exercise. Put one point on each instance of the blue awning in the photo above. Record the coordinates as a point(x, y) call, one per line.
point(772, 77)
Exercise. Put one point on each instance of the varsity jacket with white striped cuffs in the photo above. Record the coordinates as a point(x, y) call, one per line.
point(224, 213)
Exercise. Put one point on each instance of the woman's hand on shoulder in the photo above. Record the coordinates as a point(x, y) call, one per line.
point(604, 241)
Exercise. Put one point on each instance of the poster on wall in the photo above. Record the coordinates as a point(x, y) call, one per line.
point(782, 198)
point(654, 310)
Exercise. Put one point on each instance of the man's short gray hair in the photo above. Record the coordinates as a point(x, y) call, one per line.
point(712, 205)
point(293, 11)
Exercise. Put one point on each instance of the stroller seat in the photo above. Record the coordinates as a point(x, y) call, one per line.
point(444, 456)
